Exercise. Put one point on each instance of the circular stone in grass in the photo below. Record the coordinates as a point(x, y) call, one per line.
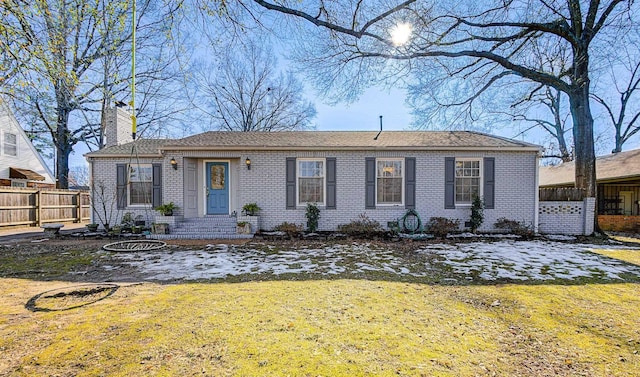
point(70, 297)
point(135, 245)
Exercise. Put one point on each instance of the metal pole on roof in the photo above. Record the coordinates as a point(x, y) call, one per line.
point(133, 73)
point(376, 138)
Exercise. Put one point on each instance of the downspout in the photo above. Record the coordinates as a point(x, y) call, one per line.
point(536, 209)
point(91, 191)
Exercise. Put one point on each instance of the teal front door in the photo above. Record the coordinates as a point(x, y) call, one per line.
point(217, 188)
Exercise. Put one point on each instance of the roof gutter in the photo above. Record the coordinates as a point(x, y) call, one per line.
point(121, 155)
point(338, 148)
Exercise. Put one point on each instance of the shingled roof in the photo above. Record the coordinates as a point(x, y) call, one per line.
point(140, 147)
point(328, 140)
point(616, 166)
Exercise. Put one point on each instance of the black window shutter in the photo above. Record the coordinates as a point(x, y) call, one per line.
point(156, 194)
point(489, 182)
point(331, 183)
point(370, 183)
point(121, 185)
point(291, 183)
point(410, 183)
point(449, 182)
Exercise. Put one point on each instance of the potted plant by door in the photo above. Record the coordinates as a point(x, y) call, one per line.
point(250, 209)
point(166, 209)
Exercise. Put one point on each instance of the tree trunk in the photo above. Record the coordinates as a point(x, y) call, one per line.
point(619, 140)
point(583, 138)
point(585, 158)
point(63, 149)
point(565, 155)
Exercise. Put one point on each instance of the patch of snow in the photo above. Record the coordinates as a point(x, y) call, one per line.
point(502, 259)
point(559, 237)
point(526, 260)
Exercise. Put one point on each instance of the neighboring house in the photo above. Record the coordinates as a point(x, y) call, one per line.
point(618, 188)
point(20, 163)
point(345, 173)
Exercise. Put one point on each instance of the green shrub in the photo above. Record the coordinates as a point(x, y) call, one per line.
point(363, 226)
point(441, 226)
point(312, 214)
point(515, 227)
point(477, 213)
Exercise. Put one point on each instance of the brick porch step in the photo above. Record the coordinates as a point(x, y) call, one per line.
point(204, 228)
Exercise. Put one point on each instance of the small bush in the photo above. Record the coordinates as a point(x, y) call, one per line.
point(312, 214)
point(291, 229)
point(363, 226)
point(477, 213)
point(441, 226)
point(515, 227)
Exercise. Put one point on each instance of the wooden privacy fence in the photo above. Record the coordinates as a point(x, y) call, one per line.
point(570, 194)
point(35, 207)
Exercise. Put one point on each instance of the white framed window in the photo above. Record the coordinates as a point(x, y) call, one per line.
point(15, 183)
point(468, 175)
point(140, 184)
point(389, 181)
point(311, 181)
point(10, 144)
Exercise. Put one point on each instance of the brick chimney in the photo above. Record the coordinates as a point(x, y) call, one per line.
point(117, 129)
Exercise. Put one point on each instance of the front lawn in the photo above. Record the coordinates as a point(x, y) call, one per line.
point(325, 328)
point(426, 309)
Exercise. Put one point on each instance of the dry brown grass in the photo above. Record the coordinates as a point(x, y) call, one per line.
point(325, 328)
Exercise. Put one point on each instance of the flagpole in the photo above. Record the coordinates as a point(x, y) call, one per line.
point(133, 74)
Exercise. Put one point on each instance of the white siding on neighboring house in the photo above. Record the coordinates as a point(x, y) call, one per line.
point(26, 156)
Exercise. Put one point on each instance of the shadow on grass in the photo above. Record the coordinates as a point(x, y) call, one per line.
point(67, 298)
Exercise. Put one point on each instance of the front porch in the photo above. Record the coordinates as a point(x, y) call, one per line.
point(208, 227)
point(619, 206)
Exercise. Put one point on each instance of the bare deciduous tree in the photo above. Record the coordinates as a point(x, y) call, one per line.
point(621, 99)
point(489, 41)
point(543, 108)
point(72, 60)
point(247, 93)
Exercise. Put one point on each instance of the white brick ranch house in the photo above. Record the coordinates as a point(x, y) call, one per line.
point(345, 173)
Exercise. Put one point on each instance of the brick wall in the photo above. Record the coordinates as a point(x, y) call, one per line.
point(117, 127)
point(103, 191)
point(264, 184)
point(515, 190)
point(619, 223)
point(567, 217)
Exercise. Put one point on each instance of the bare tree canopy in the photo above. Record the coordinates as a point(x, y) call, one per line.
point(487, 41)
point(69, 59)
point(619, 94)
point(247, 93)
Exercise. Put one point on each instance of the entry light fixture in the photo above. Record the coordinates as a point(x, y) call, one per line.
point(174, 163)
point(248, 163)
